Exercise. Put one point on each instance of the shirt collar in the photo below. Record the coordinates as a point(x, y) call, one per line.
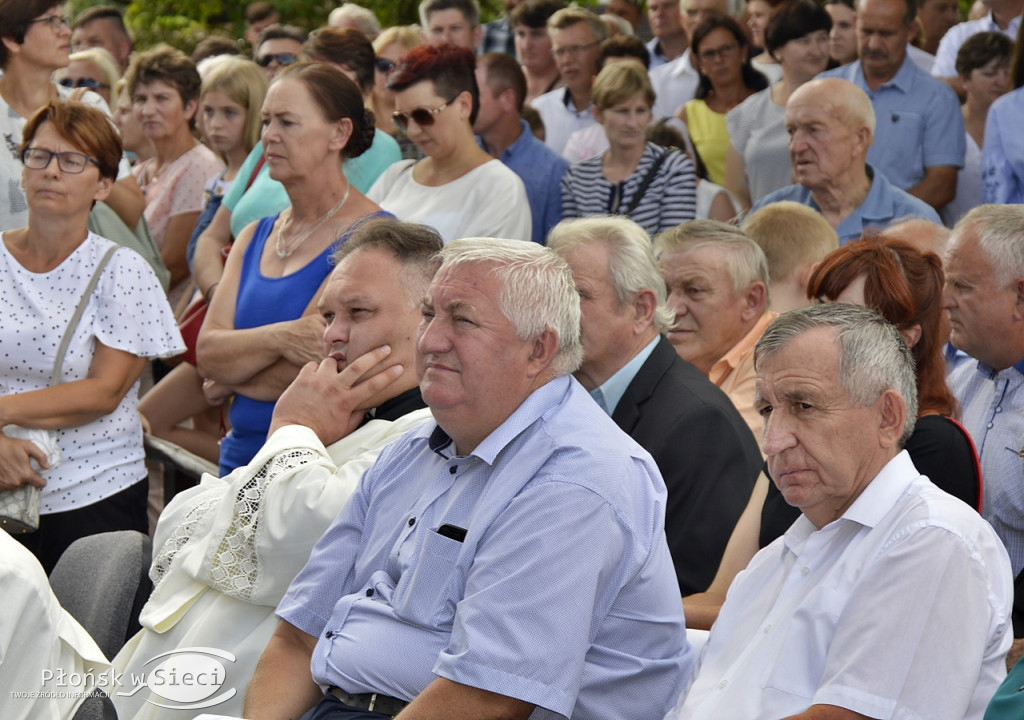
point(538, 403)
point(903, 78)
point(567, 101)
point(1019, 366)
point(614, 387)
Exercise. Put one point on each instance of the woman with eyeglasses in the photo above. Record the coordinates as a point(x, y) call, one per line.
point(757, 160)
point(70, 155)
point(720, 54)
point(458, 189)
point(390, 47)
point(93, 69)
point(164, 85)
point(262, 325)
point(36, 42)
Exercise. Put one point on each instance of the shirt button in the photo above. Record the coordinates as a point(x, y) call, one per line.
point(767, 628)
point(329, 634)
point(989, 426)
point(412, 521)
point(369, 592)
point(999, 409)
point(723, 684)
point(453, 469)
point(804, 570)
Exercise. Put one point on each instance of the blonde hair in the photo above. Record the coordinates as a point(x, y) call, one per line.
point(619, 83)
point(791, 235)
point(245, 83)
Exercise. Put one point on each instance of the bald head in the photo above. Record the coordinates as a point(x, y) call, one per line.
point(923, 235)
point(697, 11)
point(840, 98)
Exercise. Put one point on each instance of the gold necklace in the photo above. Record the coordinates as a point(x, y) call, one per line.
point(284, 249)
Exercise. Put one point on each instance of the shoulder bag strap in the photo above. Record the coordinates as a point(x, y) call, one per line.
point(646, 182)
point(58, 363)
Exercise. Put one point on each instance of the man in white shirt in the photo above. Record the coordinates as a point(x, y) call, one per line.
point(675, 82)
point(887, 598)
point(670, 39)
point(1004, 17)
point(576, 35)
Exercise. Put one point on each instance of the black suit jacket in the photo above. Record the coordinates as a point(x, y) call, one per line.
point(705, 451)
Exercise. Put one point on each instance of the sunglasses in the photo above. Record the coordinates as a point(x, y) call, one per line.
point(83, 82)
point(383, 65)
point(424, 117)
point(281, 58)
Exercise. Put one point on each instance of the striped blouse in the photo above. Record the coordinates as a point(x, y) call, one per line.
point(669, 200)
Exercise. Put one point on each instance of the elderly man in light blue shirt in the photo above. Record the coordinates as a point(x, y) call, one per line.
point(831, 125)
point(510, 560)
point(984, 295)
point(919, 136)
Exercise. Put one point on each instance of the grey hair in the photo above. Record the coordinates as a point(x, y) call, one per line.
point(537, 291)
point(873, 357)
point(364, 18)
point(631, 260)
point(569, 16)
point(1000, 233)
point(744, 258)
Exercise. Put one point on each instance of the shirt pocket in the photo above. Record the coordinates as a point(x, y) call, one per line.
point(903, 149)
point(425, 595)
point(803, 650)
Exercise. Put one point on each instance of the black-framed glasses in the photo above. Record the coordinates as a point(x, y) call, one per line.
point(723, 52)
point(281, 58)
point(383, 65)
point(69, 162)
point(424, 117)
point(54, 22)
point(83, 82)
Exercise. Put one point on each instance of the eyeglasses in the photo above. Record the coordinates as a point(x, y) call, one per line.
point(54, 22)
point(83, 82)
point(383, 65)
point(281, 58)
point(723, 51)
point(424, 117)
point(573, 50)
point(69, 162)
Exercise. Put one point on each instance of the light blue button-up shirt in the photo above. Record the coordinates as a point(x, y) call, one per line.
point(993, 412)
point(883, 204)
point(918, 123)
point(561, 592)
point(541, 170)
point(1002, 158)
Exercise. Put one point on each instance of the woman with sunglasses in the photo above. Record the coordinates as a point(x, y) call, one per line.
point(93, 69)
point(36, 42)
point(70, 155)
point(262, 325)
point(458, 189)
point(390, 48)
point(905, 286)
point(720, 53)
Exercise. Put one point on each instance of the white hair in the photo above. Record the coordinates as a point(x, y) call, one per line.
point(537, 292)
point(363, 18)
point(744, 258)
point(1000, 233)
point(631, 262)
point(873, 357)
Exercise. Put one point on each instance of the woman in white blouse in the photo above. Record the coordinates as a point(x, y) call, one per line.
point(70, 154)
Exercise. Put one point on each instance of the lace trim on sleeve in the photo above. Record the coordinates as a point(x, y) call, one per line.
point(178, 538)
point(235, 563)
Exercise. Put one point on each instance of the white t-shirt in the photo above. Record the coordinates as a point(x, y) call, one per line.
point(899, 609)
point(488, 201)
point(128, 311)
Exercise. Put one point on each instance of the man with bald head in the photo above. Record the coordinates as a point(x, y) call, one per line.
point(919, 138)
point(675, 82)
point(831, 127)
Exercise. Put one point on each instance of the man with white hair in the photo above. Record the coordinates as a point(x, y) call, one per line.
point(355, 17)
point(705, 452)
point(887, 598)
point(717, 280)
point(506, 561)
point(831, 126)
point(984, 296)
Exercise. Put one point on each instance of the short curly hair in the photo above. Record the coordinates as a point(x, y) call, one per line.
point(165, 64)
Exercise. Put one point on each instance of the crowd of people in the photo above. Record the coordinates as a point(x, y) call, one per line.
point(655, 361)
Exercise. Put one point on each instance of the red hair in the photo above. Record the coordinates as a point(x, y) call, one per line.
point(905, 286)
point(451, 68)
